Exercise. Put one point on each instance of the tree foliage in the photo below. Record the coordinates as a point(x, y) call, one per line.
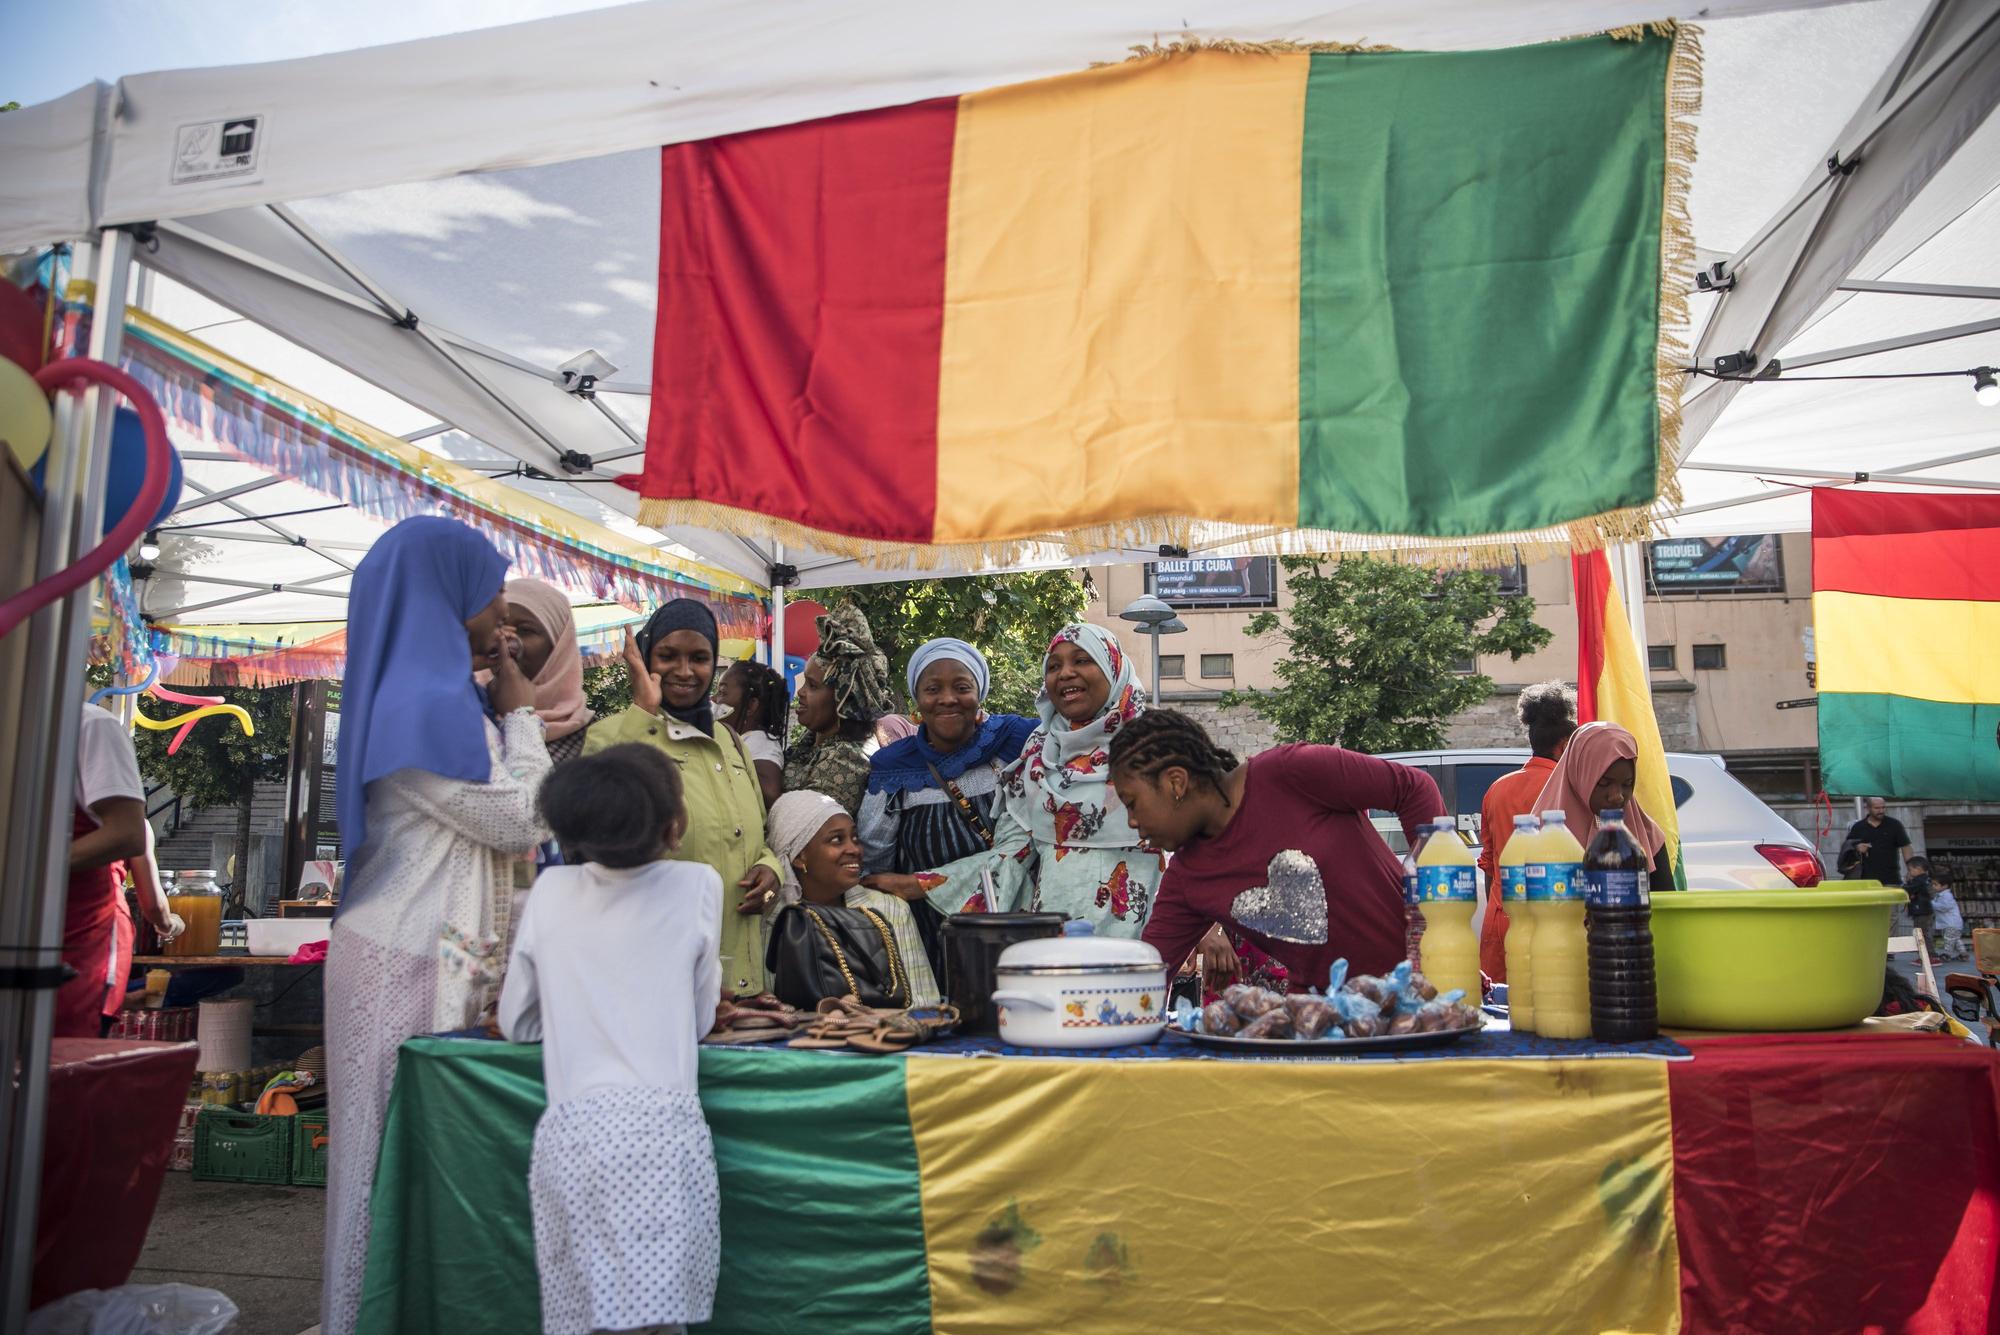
point(1375, 647)
point(218, 765)
point(608, 688)
point(1009, 618)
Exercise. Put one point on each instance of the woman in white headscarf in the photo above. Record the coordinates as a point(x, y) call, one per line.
point(934, 797)
point(814, 837)
point(1061, 843)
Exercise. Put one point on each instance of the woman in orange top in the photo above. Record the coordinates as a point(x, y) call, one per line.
point(1548, 712)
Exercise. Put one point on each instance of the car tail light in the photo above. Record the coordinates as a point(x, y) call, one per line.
point(1801, 866)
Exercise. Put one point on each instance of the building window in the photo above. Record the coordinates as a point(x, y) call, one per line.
point(1710, 657)
point(1465, 666)
point(1660, 657)
point(1173, 665)
point(1218, 665)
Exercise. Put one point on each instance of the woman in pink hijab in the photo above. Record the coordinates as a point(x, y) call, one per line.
point(540, 617)
point(1597, 772)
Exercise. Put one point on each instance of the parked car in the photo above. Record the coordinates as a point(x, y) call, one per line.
point(1729, 839)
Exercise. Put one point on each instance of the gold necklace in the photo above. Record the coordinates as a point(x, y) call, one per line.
point(898, 982)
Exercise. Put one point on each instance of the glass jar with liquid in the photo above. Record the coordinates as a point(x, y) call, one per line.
point(198, 900)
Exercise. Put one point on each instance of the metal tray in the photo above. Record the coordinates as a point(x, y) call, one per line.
point(1383, 1045)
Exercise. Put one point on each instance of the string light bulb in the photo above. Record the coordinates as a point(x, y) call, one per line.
point(149, 546)
point(1986, 386)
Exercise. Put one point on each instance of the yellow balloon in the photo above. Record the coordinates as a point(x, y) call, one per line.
point(24, 414)
point(237, 712)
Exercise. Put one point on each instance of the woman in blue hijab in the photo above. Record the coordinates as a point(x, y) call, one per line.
point(932, 797)
point(436, 801)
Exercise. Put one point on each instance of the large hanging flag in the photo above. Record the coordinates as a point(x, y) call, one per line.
point(1612, 685)
point(1230, 292)
point(1906, 628)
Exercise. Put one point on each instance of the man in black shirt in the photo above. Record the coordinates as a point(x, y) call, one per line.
point(1883, 843)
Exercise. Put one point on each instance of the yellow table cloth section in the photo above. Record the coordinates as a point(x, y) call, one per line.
point(1429, 1196)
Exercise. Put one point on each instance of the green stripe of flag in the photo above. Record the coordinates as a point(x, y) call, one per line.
point(1525, 186)
point(1909, 748)
point(822, 1223)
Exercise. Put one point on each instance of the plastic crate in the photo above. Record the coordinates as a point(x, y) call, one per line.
point(242, 1147)
point(309, 1150)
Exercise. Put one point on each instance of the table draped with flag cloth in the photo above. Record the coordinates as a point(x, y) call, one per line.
point(1751, 1187)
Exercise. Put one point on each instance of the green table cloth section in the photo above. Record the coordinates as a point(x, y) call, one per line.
point(822, 1229)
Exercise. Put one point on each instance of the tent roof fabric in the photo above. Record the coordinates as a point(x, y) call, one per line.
point(520, 226)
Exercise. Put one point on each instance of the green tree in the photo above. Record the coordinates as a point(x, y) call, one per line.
point(1374, 647)
point(1009, 618)
point(608, 688)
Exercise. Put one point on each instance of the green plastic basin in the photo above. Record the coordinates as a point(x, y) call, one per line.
point(1772, 959)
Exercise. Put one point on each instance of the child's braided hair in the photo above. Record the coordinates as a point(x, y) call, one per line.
point(766, 685)
point(1160, 739)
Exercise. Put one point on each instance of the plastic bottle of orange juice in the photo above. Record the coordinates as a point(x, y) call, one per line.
point(1514, 858)
point(1448, 884)
point(1559, 955)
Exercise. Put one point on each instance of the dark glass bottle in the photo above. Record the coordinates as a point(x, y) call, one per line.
point(1624, 1006)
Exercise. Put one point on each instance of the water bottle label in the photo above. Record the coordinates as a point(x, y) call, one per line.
point(1555, 883)
point(1514, 883)
point(1410, 892)
point(1447, 883)
point(1616, 889)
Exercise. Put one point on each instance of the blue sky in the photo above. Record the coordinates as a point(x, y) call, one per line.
point(48, 47)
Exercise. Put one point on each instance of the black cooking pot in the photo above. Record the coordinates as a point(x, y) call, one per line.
point(972, 946)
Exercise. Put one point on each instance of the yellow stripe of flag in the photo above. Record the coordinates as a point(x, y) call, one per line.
point(1945, 650)
point(1431, 1195)
point(1121, 326)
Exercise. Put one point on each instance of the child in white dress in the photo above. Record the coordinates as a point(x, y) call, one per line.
point(616, 972)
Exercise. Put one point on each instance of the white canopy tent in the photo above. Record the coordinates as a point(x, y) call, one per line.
point(423, 234)
point(452, 249)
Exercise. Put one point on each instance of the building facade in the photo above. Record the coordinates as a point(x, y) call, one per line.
point(1728, 631)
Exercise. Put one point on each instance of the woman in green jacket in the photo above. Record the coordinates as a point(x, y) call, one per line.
point(672, 665)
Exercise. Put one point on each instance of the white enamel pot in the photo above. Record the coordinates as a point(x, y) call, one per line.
point(1079, 990)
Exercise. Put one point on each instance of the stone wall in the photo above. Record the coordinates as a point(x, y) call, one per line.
point(1237, 728)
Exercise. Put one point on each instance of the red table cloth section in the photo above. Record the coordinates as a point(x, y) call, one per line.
point(1837, 1182)
point(114, 1106)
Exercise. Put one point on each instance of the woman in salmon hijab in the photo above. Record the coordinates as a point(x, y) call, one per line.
point(1598, 772)
point(541, 619)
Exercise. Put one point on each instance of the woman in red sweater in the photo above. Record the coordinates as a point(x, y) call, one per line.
point(1279, 848)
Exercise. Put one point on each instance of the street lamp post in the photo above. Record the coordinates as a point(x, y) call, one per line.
point(1153, 617)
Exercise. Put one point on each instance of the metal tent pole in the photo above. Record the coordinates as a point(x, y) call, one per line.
point(777, 614)
point(37, 855)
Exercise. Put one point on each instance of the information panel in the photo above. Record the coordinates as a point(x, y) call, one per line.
point(1745, 563)
point(1240, 581)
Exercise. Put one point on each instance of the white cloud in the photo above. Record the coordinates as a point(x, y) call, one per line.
point(434, 210)
point(642, 294)
point(586, 308)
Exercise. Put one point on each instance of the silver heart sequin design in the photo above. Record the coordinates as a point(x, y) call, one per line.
point(1290, 906)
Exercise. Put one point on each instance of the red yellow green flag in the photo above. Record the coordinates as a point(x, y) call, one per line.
point(1906, 615)
point(1612, 686)
point(1258, 290)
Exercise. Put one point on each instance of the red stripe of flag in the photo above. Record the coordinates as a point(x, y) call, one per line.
point(1960, 563)
point(801, 310)
point(1591, 574)
point(1847, 514)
